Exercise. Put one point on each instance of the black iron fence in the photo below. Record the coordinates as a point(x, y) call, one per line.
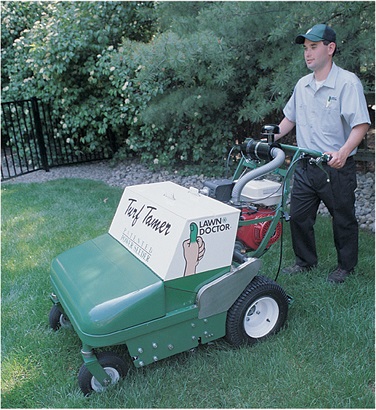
point(31, 140)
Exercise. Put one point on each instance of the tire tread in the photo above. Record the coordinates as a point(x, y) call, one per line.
point(259, 286)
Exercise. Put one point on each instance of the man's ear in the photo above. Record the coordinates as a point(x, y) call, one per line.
point(331, 48)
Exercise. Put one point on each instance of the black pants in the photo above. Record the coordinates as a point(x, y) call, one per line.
point(309, 188)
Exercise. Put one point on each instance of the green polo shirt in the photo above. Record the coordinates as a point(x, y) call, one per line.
point(324, 117)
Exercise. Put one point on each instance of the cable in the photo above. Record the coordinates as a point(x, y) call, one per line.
point(228, 160)
point(280, 254)
point(281, 246)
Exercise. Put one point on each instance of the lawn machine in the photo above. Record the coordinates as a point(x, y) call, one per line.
point(179, 267)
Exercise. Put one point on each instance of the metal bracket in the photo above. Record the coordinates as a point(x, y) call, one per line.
point(92, 364)
point(219, 295)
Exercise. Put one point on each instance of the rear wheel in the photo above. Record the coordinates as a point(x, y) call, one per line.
point(260, 311)
point(114, 366)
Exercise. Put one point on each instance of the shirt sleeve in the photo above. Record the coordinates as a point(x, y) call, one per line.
point(353, 104)
point(290, 108)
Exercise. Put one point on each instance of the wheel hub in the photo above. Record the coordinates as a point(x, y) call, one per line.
point(261, 317)
point(114, 378)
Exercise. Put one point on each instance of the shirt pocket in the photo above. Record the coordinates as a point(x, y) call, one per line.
point(330, 117)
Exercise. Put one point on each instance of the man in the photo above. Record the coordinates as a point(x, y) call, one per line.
point(330, 113)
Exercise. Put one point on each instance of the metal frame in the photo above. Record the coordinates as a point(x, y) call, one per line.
point(281, 209)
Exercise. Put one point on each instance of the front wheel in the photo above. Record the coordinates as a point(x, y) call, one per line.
point(57, 319)
point(112, 364)
point(260, 311)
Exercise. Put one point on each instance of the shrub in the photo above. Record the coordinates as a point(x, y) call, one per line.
point(176, 82)
point(56, 59)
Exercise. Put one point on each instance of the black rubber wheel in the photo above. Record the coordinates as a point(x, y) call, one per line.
point(259, 312)
point(115, 367)
point(57, 319)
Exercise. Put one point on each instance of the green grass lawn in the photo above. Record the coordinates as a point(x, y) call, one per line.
point(323, 358)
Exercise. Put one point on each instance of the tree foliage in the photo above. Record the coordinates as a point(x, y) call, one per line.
point(176, 82)
point(57, 56)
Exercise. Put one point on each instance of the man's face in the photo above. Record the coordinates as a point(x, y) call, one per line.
point(317, 55)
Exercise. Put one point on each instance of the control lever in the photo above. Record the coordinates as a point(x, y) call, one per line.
point(268, 131)
point(323, 159)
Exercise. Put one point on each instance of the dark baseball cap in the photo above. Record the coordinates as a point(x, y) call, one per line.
point(319, 32)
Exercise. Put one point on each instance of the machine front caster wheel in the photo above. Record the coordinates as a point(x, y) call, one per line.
point(113, 365)
point(260, 311)
point(57, 319)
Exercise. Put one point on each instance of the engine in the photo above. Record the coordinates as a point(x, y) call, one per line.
point(259, 197)
point(251, 235)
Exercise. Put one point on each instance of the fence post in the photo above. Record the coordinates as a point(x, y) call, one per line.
point(39, 132)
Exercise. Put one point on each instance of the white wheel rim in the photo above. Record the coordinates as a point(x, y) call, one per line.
point(64, 322)
point(261, 317)
point(114, 376)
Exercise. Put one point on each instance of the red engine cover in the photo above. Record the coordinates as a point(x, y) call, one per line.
point(253, 234)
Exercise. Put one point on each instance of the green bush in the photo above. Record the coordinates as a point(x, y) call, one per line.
point(216, 69)
point(56, 57)
point(177, 83)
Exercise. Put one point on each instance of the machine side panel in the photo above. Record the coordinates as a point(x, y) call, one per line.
point(219, 295)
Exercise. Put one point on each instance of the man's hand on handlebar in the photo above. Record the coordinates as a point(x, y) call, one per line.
point(337, 160)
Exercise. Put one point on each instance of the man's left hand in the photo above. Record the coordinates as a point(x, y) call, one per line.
point(338, 160)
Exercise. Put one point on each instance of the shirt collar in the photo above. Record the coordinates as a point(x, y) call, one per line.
point(330, 80)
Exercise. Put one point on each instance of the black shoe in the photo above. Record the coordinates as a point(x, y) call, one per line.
point(291, 270)
point(339, 275)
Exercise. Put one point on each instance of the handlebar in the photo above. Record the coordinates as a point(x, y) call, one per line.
point(316, 156)
point(260, 150)
point(323, 159)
